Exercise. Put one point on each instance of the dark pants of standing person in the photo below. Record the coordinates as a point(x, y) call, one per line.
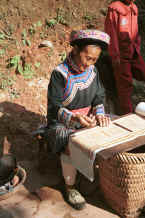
point(124, 74)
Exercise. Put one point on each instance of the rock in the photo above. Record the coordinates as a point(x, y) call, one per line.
point(49, 194)
point(2, 95)
point(46, 43)
point(32, 83)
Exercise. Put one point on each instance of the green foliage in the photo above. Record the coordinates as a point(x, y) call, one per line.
point(51, 22)
point(33, 28)
point(90, 20)
point(88, 17)
point(2, 36)
point(2, 52)
point(6, 81)
point(13, 93)
point(6, 34)
point(39, 24)
point(60, 18)
point(63, 56)
point(25, 40)
point(14, 61)
point(24, 33)
point(26, 71)
point(37, 64)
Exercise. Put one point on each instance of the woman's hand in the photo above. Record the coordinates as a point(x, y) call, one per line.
point(103, 120)
point(84, 120)
point(15, 180)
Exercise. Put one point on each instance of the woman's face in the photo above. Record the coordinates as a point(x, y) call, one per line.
point(86, 57)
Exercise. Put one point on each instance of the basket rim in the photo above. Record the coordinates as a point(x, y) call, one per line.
point(131, 154)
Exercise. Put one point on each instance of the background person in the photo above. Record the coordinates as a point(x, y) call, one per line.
point(122, 25)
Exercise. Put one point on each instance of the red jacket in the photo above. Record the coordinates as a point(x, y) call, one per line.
point(122, 25)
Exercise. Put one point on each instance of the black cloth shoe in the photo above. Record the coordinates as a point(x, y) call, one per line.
point(75, 199)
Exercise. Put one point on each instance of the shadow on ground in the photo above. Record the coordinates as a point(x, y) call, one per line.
point(42, 170)
point(12, 212)
point(17, 124)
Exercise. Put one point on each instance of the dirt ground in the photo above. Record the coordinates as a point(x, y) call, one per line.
point(25, 69)
point(23, 95)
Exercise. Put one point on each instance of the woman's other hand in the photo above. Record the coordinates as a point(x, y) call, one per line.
point(103, 120)
point(84, 120)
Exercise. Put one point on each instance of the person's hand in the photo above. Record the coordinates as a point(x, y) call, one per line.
point(84, 120)
point(15, 180)
point(93, 119)
point(103, 120)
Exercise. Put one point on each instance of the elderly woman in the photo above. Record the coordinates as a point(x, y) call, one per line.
point(75, 100)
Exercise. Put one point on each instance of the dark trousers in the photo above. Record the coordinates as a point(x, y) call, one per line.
point(124, 75)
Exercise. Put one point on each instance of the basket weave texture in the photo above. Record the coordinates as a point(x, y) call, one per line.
point(122, 180)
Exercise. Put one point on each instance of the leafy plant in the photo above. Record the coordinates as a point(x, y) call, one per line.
point(2, 36)
point(51, 22)
point(39, 24)
point(2, 52)
point(88, 17)
point(27, 72)
point(6, 81)
point(14, 61)
point(25, 40)
point(63, 56)
point(32, 29)
point(60, 17)
point(13, 93)
point(37, 64)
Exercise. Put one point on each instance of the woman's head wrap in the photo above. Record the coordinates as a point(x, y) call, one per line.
point(89, 37)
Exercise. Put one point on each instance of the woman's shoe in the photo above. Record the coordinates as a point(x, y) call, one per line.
point(75, 199)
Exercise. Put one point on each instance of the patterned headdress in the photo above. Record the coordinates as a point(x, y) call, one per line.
point(89, 37)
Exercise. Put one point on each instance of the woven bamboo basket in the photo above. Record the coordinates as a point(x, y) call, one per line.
point(22, 176)
point(122, 181)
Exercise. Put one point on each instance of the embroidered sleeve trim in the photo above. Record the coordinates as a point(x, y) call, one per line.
point(99, 110)
point(64, 116)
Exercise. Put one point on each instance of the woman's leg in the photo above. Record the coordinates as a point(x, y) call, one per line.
point(58, 136)
point(69, 172)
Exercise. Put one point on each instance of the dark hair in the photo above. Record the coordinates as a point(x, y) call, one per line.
point(82, 43)
point(7, 166)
